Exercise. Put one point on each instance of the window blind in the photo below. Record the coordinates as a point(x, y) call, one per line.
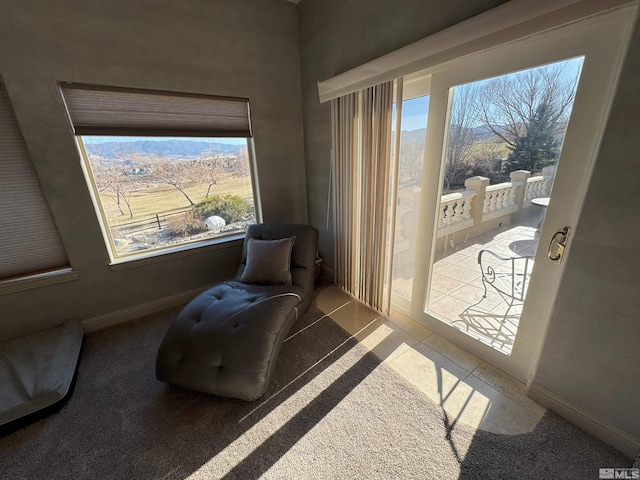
point(98, 110)
point(361, 145)
point(29, 240)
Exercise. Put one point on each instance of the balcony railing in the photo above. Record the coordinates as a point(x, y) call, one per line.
point(472, 211)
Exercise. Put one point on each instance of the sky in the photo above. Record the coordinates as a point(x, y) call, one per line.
point(414, 111)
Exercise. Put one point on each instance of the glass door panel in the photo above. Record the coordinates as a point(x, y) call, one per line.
point(503, 142)
point(506, 126)
point(411, 158)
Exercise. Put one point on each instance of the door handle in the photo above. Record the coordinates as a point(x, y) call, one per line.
point(558, 244)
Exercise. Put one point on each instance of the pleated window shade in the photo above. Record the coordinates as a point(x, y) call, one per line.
point(29, 240)
point(132, 112)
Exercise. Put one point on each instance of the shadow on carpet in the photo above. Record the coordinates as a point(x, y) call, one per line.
point(332, 411)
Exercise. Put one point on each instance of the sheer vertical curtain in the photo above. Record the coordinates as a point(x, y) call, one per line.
point(361, 146)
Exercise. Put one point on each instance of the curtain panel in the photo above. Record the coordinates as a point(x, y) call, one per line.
point(361, 150)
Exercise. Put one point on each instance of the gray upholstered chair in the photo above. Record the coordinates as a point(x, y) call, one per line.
point(226, 341)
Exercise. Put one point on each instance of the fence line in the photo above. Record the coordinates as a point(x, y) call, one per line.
point(155, 222)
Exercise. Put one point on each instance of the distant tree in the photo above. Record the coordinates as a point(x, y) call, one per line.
point(410, 165)
point(209, 171)
point(539, 147)
point(525, 110)
point(237, 165)
point(117, 182)
point(461, 137)
point(488, 160)
point(179, 174)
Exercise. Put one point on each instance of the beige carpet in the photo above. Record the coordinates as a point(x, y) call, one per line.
point(333, 412)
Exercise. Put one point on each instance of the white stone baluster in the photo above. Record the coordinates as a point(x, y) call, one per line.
point(513, 196)
point(486, 205)
point(441, 217)
point(466, 210)
point(455, 212)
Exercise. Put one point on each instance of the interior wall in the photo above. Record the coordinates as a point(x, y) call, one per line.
point(236, 48)
point(336, 36)
point(590, 356)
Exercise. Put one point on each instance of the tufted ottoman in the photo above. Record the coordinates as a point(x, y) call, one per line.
point(226, 341)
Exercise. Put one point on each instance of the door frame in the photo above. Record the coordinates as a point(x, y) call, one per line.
point(602, 40)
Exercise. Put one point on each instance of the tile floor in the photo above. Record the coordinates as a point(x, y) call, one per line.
point(469, 390)
point(456, 292)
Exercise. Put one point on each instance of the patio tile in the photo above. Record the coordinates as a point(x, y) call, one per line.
point(470, 262)
point(459, 273)
point(441, 258)
point(452, 257)
point(474, 296)
point(476, 282)
point(457, 290)
point(444, 283)
point(488, 327)
point(442, 265)
point(449, 308)
point(502, 307)
point(483, 239)
point(434, 295)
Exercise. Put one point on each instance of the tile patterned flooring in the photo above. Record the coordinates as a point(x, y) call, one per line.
point(468, 390)
point(456, 294)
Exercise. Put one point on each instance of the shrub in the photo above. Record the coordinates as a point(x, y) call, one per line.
point(187, 223)
point(230, 207)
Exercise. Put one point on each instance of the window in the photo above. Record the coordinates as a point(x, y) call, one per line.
point(413, 121)
point(166, 170)
point(29, 240)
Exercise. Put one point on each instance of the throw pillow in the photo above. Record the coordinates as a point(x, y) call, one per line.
point(268, 261)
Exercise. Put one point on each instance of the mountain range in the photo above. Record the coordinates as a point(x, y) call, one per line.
point(174, 149)
point(482, 133)
point(191, 149)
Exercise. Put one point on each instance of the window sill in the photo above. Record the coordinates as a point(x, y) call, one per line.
point(35, 281)
point(166, 254)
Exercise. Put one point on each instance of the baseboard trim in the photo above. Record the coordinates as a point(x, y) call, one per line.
point(617, 438)
point(120, 316)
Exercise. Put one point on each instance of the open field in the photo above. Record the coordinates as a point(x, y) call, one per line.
point(500, 149)
point(165, 198)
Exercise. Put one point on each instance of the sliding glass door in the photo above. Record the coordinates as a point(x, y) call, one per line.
point(508, 151)
point(502, 147)
point(413, 120)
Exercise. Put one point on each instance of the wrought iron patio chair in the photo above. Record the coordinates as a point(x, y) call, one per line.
point(508, 276)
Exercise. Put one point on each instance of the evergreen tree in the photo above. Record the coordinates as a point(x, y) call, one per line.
point(538, 147)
